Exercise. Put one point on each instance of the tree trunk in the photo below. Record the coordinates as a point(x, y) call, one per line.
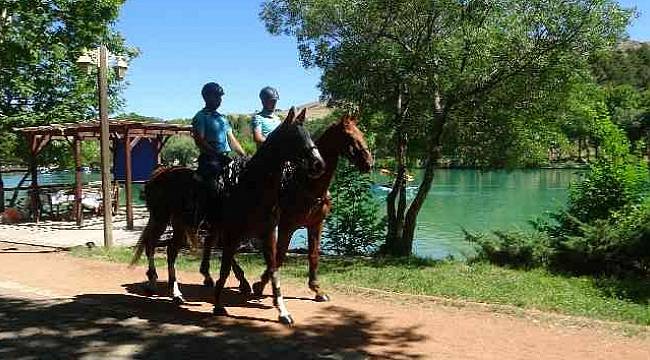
point(396, 200)
point(400, 240)
point(433, 155)
point(579, 150)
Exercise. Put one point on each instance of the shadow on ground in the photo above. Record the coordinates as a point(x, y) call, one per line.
point(122, 325)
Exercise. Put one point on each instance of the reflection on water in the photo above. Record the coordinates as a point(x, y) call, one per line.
point(470, 199)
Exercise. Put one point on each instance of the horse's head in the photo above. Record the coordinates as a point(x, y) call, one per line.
point(292, 142)
point(352, 143)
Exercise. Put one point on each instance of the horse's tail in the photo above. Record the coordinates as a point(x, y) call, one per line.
point(155, 228)
point(159, 201)
point(139, 249)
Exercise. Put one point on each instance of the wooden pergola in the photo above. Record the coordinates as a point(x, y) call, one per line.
point(131, 132)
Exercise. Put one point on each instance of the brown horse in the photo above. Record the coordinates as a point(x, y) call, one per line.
point(305, 202)
point(249, 208)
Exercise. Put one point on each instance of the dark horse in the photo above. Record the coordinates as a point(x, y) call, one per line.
point(248, 208)
point(304, 201)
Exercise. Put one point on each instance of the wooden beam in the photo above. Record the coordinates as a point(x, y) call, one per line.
point(35, 200)
point(127, 181)
point(134, 142)
point(38, 143)
point(2, 194)
point(76, 150)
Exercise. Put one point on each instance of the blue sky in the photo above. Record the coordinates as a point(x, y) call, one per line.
point(185, 44)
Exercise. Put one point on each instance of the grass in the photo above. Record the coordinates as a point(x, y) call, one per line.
point(603, 299)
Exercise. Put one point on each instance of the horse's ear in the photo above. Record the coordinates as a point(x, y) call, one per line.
point(301, 117)
point(291, 115)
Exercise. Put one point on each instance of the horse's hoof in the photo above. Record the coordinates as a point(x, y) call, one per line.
point(286, 320)
point(208, 283)
point(245, 289)
point(220, 311)
point(178, 300)
point(258, 289)
point(322, 298)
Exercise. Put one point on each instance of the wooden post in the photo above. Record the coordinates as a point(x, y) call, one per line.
point(35, 203)
point(2, 193)
point(102, 83)
point(76, 150)
point(127, 180)
point(158, 144)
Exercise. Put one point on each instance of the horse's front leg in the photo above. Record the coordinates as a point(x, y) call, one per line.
point(270, 255)
point(281, 249)
point(226, 263)
point(209, 242)
point(172, 253)
point(314, 235)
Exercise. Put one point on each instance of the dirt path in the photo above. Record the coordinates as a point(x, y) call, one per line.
point(56, 306)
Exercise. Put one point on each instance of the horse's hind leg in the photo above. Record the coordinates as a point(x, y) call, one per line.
point(314, 235)
point(244, 286)
point(205, 260)
point(152, 232)
point(172, 252)
point(226, 263)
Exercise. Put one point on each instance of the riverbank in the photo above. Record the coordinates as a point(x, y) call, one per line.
point(537, 290)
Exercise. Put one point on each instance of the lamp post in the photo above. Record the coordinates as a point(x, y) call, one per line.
point(99, 58)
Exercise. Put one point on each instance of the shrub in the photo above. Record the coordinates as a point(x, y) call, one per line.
point(617, 245)
point(354, 227)
point(517, 249)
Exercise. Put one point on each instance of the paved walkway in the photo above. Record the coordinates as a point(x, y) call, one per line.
point(67, 234)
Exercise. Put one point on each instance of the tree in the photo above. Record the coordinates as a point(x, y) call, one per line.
point(625, 76)
point(39, 80)
point(426, 64)
point(179, 150)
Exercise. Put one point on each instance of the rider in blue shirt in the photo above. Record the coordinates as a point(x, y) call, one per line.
point(212, 134)
point(265, 121)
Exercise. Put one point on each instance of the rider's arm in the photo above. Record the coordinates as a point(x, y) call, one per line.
point(198, 133)
point(234, 144)
point(257, 136)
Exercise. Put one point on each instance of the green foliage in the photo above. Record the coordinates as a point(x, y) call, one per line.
point(618, 245)
point(241, 128)
point(353, 227)
point(625, 76)
point(607, 188)
point(426, 68)
point(179, 150)
point(40, 81)
point(517, 249)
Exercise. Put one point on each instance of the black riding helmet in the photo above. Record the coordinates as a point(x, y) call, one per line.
point(212, 86)
point(269, 93)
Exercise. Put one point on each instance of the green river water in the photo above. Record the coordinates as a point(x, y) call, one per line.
point(471, 199)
